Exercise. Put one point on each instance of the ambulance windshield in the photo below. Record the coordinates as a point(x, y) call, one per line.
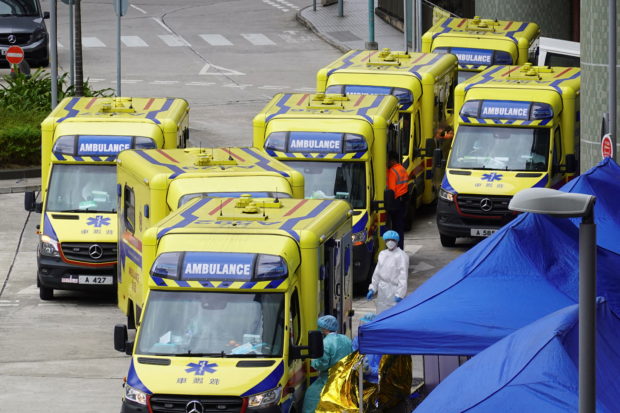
point(510, 149)
point(82, 188)
point(334, 180)
point(213, 324)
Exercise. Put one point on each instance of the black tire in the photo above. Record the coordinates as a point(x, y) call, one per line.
point(46, 293)
point(447, 241)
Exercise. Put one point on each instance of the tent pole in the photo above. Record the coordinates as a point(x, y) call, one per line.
point(360, 374)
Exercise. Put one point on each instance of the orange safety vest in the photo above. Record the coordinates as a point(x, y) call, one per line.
point(398, 180)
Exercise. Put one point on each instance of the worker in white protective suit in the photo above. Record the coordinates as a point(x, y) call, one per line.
point(389, 281)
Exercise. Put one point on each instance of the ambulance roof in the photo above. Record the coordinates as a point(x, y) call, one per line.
point(477, 27)
point(290, 217)
point(392, 62)
point(121, 109)
point(558, 79)
point(304, 105)
point(204, 161)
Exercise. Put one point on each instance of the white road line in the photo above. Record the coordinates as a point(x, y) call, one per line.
point(286, 3)
point(216, 40)
point(277, 6)
point(412, 249)
point(95, 80)
point(199, 83)
point(9, 301)
point(419, 267)
point(92, 42)
point(133, 41)
point(219, 70)
point(163, 82)
point(258, 39)
point(131, 81)
point(172, 40)
point(8, 305)
point(305, 89)
point(161, 23)
point(237, 86)
point(269, 87)
point(139, 9)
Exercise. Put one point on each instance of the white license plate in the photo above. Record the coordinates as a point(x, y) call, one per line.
point(96, 279)
point(482, 232)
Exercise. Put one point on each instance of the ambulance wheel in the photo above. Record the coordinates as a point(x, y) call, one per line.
point(46, 293)
point(447, 241)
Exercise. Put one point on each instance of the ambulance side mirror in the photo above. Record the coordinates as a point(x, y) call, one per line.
point(30, 202)
point(314, 347)
point(121, 342)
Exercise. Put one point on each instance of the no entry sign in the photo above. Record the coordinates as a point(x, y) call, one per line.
point(15, 55)
point(607, 149)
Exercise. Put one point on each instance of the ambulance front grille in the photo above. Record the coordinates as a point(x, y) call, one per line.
point(484, 205)
point(170, 403)
point(90, 252)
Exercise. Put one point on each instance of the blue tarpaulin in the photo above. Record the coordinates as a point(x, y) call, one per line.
point(534, 370)
point(526, 270)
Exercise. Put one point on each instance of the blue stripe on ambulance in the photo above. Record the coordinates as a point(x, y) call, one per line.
point(152, 114)
point(510, 34)
point(288, 225)
point(556, 84)
point(187, 215)
point(281, 104)
point(177, 171)
point(361, 224)
point(542, 183)
point(345, 63)
point(69, 108)
point(48, 229)
point(264, 162)
point(485, 78)
point(445, 184)
point(362, 112)
point(446, 27)
point(125, 251)
point(415, 68)
point(134, 381)
point(268, 383)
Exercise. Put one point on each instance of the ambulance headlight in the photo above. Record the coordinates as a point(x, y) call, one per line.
point(446, 195)
point(265, 399)
point(135, 395)
point(359, 237)
point(48, 246)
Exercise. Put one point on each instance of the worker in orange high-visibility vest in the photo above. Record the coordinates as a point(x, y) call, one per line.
point(398, 184)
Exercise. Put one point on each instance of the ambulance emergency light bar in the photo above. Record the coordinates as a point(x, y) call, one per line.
point(323, 142)
point(97, 145)
point(219, 266)
point(506, 109)
point(477, 56)
point(404, 96)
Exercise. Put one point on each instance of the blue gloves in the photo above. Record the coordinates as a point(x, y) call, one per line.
point(397, 299)
point(370, 294)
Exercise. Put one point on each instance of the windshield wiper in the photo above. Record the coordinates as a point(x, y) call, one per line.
point(89, 210)
point(189, 353)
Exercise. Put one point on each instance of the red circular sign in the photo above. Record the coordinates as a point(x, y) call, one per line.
point(607, 149)
point(15, 55)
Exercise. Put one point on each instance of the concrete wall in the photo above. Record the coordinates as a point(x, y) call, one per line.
point(553, 16)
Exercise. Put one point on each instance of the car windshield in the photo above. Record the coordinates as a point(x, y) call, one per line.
point(514, 149)
point(205, 323)
point(76, 188)
point(334, 180)
point(186, 198)
point(18, 8)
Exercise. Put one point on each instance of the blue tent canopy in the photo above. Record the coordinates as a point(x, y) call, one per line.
point(534, 370)
point(525, 271)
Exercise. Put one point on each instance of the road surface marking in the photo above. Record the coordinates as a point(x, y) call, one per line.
point(173, 41)
point(163, 82)
point(92, 42)
point(216, 40)
point(219, 70)
point(139, 9)
point(419, 267)
point(257, 39)
point(133, 41)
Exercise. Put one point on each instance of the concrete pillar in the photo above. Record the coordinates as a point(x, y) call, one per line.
point(594, 78)
point(557, 14)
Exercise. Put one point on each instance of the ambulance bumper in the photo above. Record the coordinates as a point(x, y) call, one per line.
point(453, 224)
point(56, 274)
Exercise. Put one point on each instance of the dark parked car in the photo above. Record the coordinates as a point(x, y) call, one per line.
point(22, 24)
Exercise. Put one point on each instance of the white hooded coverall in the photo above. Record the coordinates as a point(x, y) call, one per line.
point(390, 278)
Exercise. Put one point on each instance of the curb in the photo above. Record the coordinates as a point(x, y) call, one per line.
point(19, 188)
point(34, 172)
point(301, 19)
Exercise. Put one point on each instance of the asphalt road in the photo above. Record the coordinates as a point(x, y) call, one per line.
point(227, 58)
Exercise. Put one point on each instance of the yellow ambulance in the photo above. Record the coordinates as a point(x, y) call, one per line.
point(340, 144)
point(423, 83)
point(479, 43)
point(80, 140)
point(518, 127)
point(155, 182)
point(233, 290)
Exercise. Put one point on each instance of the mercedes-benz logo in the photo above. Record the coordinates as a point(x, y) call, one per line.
point(95, 251)
point(194, 406)
point(12, 38)
point(486, 204)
